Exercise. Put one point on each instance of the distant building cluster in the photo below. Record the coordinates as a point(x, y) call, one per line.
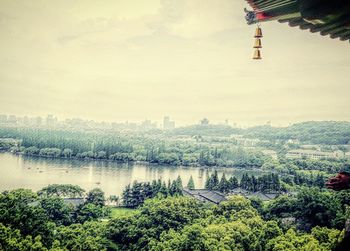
point(241, 141)
point(168, 124)
point(51, 121)
point(148, 125)
point(314, 154)
point(271, 153)
point(14, 120)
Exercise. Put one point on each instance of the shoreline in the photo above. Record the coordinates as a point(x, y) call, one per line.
point(131, 161)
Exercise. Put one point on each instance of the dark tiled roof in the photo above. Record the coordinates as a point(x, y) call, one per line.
point(263, 196)
point(205, 195)
point(240, 191)
point(330, 17)
point(74, 201)
point(217, 197)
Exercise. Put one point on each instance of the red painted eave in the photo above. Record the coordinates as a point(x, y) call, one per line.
point(336, 25)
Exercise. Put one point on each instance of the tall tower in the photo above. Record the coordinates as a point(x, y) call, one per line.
point(168, 124)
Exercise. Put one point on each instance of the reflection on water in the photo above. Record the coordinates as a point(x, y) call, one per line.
point(111, 177)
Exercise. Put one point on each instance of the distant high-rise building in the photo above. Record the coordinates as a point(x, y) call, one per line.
point(51, 120)
point(147, 125)
point(25, 120)
point(3, 118)
point(38, 121)
point(166, 120)
point(12, 119)
point(168, 124)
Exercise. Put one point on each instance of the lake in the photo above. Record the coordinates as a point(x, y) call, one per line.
point(35, 173)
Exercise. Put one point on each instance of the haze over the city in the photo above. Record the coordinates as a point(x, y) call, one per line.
point(189, 59)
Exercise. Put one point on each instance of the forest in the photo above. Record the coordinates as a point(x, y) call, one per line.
point(265, 183)
point(311, 220)
point(118, 147)
point(170, 148)
point(310, 132)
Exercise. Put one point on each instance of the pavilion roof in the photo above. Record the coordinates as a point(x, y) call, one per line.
point(326, 17)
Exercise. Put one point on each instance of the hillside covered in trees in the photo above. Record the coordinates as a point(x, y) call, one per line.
point(312, 132)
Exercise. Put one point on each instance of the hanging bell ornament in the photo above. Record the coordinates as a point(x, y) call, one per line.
point(258, 32)
point(257, 43)
point(257, 54)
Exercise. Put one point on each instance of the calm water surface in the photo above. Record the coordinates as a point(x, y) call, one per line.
point(35, 173)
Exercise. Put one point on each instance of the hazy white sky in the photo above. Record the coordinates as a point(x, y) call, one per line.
point(120, 60)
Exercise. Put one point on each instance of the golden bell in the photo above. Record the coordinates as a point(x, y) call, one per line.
point(257, 54)
point(257, 43)
point(258, 32)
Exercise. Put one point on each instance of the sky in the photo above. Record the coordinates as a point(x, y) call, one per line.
point(130, 60)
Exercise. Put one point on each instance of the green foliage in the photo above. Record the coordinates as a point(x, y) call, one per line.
point(328, 238)
point(328, 166)
point(228, 236)
point(233, 205)
point(240, 229)
point(57, 211)
point(154, 217)
point(62, 190)
point(311, 207)
point(224, 185)
point(320, 239)
point(317, 208)
point(115, 146)
point(7, 144)
point(233, 182)
point(313, 132)
point(281, 207)
point(257, 203)
point(292, 242)
point(135, 195)
point(190, 184)
point(89, 212)
point(12, 240)
point(96, 196)
point(176, 187)
point(265, 183)
point(87, 236)
point(50, 152)
point(30, 222)
point(212, 182)
point(118, 212)
point(20, 209)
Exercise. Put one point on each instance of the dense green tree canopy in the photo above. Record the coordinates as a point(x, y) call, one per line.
point(31, 222)
point(96, 196)
point(190, 184)
point(62, 190)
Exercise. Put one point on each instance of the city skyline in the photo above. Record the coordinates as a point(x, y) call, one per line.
point(166, 123)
